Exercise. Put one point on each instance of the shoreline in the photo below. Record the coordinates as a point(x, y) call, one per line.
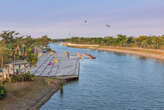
point(157, 54)
point(45, 97)
point(31, 100)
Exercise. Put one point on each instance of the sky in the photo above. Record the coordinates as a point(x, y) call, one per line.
point(65, 18)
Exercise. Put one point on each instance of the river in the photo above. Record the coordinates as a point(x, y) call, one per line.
point(112, 81)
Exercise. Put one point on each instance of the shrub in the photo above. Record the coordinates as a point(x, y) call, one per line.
point(14, 78)
point(3, 92)
point(7, 80)
point(22, 77)
point(28, 77)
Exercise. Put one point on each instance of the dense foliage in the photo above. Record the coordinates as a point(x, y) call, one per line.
point(123, 41)
point(3, 92)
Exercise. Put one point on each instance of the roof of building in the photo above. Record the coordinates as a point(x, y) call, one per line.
point(20, 62)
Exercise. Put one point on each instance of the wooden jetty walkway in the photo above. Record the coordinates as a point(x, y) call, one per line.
point(66, 68)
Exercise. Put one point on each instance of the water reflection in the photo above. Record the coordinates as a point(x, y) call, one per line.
point(61, 92)
point(143, 58)
point(61, 87)
point(64, 83)
point(119, 54)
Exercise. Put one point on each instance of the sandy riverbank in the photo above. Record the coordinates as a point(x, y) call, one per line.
point(29, 95)
point(150, 53)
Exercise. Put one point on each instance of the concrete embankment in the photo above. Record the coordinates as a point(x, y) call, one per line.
point(29, 95)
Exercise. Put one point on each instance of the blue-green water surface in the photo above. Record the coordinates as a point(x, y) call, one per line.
point(112, 82)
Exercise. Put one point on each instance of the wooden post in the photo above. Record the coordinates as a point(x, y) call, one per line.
point(8, 71)
point(14, 64)
point(19, 67)
point(78, 69)
point(2, 63)
point(24, 68)
point(2, 67)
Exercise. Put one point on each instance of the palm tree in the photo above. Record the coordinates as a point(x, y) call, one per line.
point(8, 36)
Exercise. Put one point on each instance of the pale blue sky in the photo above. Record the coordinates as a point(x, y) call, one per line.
point(65, 18)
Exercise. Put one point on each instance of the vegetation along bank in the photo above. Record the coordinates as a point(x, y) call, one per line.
point(145, 46)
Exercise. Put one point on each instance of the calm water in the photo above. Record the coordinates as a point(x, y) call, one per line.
point(112, 82)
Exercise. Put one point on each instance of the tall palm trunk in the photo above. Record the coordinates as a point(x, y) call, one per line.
point(2, 66)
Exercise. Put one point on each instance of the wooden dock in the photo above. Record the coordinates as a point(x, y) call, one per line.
point(67, 68)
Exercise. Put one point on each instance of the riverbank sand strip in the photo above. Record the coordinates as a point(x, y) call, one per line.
point(151, 53)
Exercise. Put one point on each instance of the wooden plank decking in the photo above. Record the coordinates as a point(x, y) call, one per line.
point(66, 68)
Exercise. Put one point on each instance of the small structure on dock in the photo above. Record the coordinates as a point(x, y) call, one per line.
point(17, 67)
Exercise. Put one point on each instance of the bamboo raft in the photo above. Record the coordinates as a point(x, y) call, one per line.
point(90, 56)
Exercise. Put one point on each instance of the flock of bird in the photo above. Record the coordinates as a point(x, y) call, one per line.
point(107, 25)
point(86, 21)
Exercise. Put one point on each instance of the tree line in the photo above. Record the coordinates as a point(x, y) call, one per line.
point(155, 42)
point(15, 46)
